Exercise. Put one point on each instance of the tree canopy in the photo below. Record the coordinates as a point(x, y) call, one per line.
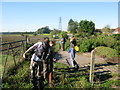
point(43, 30)
point(84, 26)
point(72, 26)
point(107, 30)
point(87, 27)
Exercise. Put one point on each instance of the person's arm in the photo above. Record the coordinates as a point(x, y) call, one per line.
point(61, 40)
point(69, 50)
point(30, 49)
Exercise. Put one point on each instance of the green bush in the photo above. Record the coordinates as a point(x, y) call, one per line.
point(100, 40)
point(67, 45)
point(64, 34)
point(117, 47)
point(21, 79)
point(85, 46)
point(56, 47)
point(116, 36)
point(54, 32)
point(109, 42)
point(88, 44)
point(106, 52)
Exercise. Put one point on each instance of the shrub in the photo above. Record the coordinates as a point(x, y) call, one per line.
point(117, 47)
point(67, 45)
point(85, 46)
point(88, 44)
point(109, 42)
point(106, 52)
point(116, 36)
point(54, 32)
point(56, 47)
point(64, 34)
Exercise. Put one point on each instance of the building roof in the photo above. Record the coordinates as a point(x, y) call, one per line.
point(116, 31)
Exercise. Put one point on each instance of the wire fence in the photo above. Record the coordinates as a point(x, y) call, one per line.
point(11, 55)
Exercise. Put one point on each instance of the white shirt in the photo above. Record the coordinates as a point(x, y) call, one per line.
point(34, 57)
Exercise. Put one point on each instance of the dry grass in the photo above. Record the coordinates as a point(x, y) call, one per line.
point(11, 38)
point(17, 37)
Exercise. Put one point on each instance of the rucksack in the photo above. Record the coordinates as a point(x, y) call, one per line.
point(77, 48)
point(64, 40)
point(74, 42)
point(41, 50)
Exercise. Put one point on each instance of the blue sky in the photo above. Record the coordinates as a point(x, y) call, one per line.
point(29, 16)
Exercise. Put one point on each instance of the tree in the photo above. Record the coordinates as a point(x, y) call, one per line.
point(54, 32)
point(43, 30)
point(107, 30)
point(72, 26)
point(87, 27)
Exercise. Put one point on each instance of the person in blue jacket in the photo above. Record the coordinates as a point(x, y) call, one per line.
point(62, 41)
point(72, 55)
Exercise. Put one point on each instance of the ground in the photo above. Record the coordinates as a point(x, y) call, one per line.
point(83, 60)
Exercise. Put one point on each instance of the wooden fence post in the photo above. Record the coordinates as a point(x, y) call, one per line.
point(50, 78)
point(5, 61)
point(13, 55)
point(26, 38)
point(91, 77)
point(12, 52)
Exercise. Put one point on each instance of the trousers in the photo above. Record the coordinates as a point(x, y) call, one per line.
point(36, 69)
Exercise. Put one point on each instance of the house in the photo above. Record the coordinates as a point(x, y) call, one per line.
point(116, 31)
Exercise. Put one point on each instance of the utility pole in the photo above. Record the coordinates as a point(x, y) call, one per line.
point(60, 24)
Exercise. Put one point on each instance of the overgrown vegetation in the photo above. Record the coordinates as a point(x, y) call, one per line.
point(110, 42)
point(10, 65)
point(63, 77)
point(21, 78)
point(57, 47)
point(106, 52)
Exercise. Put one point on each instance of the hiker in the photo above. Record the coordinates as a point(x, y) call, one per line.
point(72, 55)
point(50, 62)
point(47, 62)
point(62, 42)
point(41, 50)
point(73, 40)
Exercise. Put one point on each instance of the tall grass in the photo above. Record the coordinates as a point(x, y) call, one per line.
point(63, 77)
point(10, 65)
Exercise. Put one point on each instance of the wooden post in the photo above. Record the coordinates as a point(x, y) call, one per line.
point(50, 78)
point(91, 77)
point(50, 72)
point(26, 42)
point(13, 55)
point(6, 61)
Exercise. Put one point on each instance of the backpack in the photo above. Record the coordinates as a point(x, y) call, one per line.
point(74, 42)
point(41, 51)
point(64, 40)
point(77, 48)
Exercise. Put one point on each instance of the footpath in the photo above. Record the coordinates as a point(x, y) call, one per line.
point(83, 61)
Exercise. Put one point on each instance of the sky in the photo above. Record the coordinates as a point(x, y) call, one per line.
point(30, 16)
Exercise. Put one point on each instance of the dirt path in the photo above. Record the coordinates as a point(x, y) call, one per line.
point(83, 60)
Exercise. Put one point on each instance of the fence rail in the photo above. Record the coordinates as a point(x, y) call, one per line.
point(2, 49)
point(12, 51)
point(12, 42)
